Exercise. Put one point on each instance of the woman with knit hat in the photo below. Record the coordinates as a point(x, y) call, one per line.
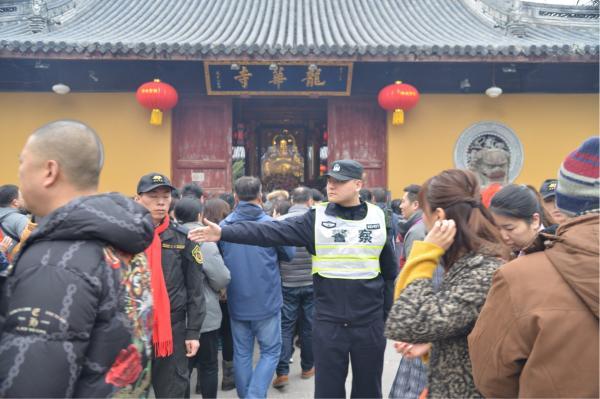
point(537, 334)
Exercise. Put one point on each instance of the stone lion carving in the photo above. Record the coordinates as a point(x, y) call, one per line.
point(491, 165)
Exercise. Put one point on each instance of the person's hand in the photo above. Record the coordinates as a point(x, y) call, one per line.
point(442, 233)
point(191, 347)
point(223, 295)
point(5, 244)
point(211, 233)
point(411, 351)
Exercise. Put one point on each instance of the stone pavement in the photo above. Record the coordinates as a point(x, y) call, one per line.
point(299, 388)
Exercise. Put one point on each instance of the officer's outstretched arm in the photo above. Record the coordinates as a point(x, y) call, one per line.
point(211, 233)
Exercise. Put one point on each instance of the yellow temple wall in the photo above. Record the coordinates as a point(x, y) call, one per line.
point(549, 127)
point(133, 147)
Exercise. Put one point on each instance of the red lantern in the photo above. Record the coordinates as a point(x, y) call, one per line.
point(398, 97)
point(157, 96)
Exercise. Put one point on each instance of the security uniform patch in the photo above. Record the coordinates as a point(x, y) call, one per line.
point(197, 254)
point(173, 246)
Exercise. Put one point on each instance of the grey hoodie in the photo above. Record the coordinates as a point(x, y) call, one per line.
point(13, 222)
point(217, 278)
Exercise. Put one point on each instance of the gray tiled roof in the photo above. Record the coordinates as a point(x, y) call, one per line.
point(359, 29)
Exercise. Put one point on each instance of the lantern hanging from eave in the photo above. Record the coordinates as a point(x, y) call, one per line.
point(157, 96)
point(398, 97)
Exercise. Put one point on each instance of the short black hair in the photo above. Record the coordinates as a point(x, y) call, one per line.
point(75, 146)
point(282, 207)
point(192, 190)
point(247, 188)
point(413, 192)
point(516, 201)
point(317, 195)
point(228, 197)
point(187, 210)
point(395, 205)
point(301, 195)
point(8, 193)
point(365, 194)
point(379, 194)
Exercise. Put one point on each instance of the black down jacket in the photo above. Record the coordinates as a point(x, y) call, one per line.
point(78, 305)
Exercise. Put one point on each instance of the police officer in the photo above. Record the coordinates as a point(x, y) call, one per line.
point(354, 267)
point(177, 290)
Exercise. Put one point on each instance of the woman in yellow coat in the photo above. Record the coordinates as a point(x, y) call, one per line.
point(463, 235)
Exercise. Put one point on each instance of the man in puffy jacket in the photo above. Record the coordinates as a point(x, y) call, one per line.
point(78, 304)
point(298, 299)
point(537, 334)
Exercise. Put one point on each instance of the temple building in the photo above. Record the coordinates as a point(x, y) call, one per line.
point(279, 88)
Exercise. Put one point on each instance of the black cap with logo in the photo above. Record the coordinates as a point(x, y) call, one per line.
point(548, 188)
point(345, 169)
point(151, 181)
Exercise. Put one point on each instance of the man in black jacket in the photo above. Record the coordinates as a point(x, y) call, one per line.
point(78, 304)
point(179, 304)
point(354, 268)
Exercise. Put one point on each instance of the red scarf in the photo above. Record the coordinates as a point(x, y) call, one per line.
point(162, 337)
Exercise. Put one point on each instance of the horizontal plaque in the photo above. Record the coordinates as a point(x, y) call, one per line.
point(271, 78)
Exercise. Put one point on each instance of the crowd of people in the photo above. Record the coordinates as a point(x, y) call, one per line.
point(485, 291)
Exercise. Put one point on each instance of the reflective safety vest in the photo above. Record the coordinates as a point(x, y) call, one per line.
point(348, 249)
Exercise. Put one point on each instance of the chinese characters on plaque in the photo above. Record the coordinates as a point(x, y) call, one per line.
point(271, 78)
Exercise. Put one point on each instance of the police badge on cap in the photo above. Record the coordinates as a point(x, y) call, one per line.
point(548, 188)
point(345, 169)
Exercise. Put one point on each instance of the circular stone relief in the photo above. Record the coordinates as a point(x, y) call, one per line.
point(489, 135)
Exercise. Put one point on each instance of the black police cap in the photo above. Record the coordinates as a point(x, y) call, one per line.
point(345, 169)
point(151, 181)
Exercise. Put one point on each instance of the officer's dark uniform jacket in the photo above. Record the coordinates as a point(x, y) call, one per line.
point(182, 270)
point(351, 302)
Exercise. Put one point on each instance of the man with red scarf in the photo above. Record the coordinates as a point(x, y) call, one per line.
point(177, 290)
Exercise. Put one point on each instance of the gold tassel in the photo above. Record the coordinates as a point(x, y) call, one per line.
point(156, 117)
point(398, 117)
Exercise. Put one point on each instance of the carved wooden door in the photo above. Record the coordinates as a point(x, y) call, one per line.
point(357, 130)
point(201, 143)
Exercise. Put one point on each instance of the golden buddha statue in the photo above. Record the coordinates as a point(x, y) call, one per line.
point(282, 157)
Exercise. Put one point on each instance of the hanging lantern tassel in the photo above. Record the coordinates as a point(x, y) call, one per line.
point(156, 117)
point(398, 117)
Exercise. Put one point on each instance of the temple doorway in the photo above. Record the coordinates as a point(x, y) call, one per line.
point(217, 139)
point(282, 141)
